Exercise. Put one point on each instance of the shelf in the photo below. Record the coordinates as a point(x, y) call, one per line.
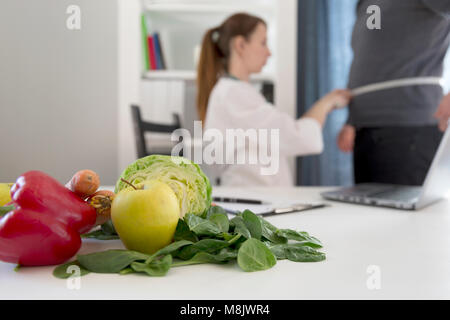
point(169, 75)
point(190, 75)
point(207, 8)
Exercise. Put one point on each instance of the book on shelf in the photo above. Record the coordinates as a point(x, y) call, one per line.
point(152, 54)
point(145, 52)
point(152, 48)
point(159, 52)
point(155, 57)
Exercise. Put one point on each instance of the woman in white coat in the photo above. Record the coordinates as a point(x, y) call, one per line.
point(230, 53)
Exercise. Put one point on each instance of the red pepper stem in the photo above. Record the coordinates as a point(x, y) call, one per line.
point(128, 183)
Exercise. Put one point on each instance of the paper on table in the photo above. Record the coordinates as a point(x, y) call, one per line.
point(255, 208)
point(258, 208)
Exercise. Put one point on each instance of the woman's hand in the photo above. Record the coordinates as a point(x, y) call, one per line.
point(346, 138)
point(334, 99)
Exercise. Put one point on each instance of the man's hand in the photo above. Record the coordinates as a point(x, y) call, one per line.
point(346, 138)
point(443, 112)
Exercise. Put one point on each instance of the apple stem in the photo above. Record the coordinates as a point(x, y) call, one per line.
point(130, 184)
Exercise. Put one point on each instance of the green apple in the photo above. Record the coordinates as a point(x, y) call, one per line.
point(145, 216)
point(5, 189)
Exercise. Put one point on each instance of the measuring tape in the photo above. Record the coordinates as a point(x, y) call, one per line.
point(397, 83)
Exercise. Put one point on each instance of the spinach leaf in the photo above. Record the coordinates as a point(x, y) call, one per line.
point(127, 270)
point(278, 250)
point(239, 227)
point(234, 239)
point(204, 257)
point(297, 252)
point(227, 254)
point(303, 254)
point(110, 261)
point(100, 235)
point(304, 237)
point(200, 226)
point(227, 236)
point(215, 210)
point(221, 220)
point(169, 249)
point(156, 268)
point(269, 232)
point(63, 272)
point(239, 242)
point(253, 255)
point(253, 224)
point(182, 232)
point(205, 245)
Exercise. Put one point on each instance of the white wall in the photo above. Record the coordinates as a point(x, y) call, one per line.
point(286, 75)
point(58, 89)
point(129, 68)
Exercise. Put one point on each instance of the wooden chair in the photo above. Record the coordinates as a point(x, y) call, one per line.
point(141, 127)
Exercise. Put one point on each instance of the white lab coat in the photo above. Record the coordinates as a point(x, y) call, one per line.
point(238, 104)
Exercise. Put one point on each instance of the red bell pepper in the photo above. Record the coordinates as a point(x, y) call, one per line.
point(45, 226)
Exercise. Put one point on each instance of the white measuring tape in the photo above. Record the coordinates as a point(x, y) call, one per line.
point(397, 83)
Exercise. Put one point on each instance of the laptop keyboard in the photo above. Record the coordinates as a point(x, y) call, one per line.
point(378, 194)
point(363, 190)
point(401, 194)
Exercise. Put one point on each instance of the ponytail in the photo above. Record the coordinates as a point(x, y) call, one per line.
point(215, 53)
point(210, 67)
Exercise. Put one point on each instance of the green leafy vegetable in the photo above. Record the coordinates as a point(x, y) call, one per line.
point(240, 227)
point(205, 257)
point(277, 250)
point(303, 254)
point(297, 252)
point(100, 235)
point(106, 232)
point(174, 246)
point(156, 268)
point(200, 226)
point(205, 245)
point(110, 261)
point(253, 255)
point(221, 220)
point(253, 224)
point(269, 232)
point(66, 270)
point(215, 210)
point(182, 232)
point(248, 239)
point(299, 236)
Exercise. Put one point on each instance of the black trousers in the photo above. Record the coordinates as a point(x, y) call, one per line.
point(396, 155)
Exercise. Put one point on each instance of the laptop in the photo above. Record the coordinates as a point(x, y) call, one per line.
point(435, 187)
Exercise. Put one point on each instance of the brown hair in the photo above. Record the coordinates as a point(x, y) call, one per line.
point(215, 54)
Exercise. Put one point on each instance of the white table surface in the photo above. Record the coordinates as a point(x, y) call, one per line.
point(410, 252)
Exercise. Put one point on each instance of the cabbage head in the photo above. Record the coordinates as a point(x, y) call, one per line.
point(187, 180)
